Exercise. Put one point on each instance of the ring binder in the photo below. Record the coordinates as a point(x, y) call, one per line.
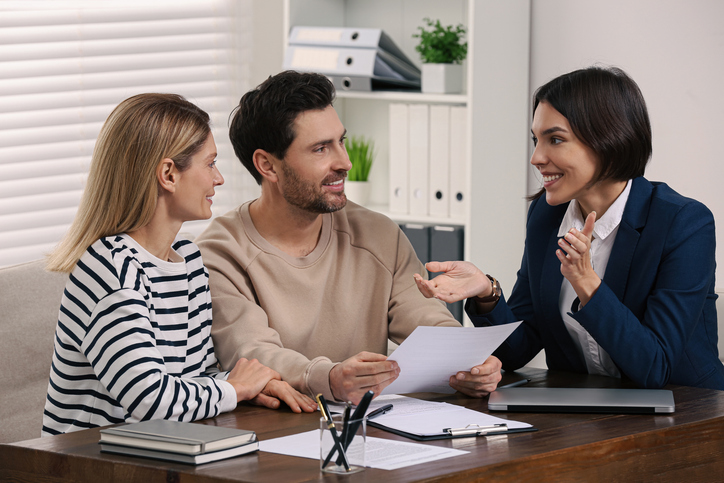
point(356, 59)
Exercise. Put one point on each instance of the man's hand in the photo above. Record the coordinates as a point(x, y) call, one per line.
point(366, 371)
point(276, 390)
point(459, 280)
point(249, 377)
point(480, 381)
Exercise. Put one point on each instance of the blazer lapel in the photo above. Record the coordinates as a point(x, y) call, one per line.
point(550, 292)
point(550, 283)
point(627, 238)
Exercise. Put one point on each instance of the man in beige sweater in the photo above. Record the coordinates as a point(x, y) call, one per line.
point(307, 283)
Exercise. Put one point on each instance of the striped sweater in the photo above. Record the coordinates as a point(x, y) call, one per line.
point(133, 341)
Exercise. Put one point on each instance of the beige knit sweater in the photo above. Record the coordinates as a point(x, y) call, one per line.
point(302, 315)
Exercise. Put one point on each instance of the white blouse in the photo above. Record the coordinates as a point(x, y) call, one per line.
point(604, 235)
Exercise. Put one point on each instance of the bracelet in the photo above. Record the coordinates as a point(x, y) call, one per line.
point(493, 297)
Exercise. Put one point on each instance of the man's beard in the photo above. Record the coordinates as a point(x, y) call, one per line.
point(306, 196)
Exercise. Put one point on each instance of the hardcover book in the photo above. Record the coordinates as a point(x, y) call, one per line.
point(192, 459)
point(176, 437)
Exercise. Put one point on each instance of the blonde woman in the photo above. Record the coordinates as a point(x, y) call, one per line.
point(133, 336)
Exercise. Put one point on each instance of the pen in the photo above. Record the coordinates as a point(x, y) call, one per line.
point(330, 424)
point(343, 437)
point(515, 384)
point(345, 424)
point(475, 430)
point(357, 416)
point(384, 409)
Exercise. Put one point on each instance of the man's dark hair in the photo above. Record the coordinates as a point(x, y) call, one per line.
point(607, 112)
point(264, 118)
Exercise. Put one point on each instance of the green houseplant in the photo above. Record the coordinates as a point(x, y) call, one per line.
point(442, 50)
point(361, 154)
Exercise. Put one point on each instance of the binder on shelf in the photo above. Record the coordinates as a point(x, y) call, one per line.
point(419, 236)
point(368, 38)
point(399, 159)
point(419, 174)
point(458, 158)
point(354, 59)
point(439, 192)
point(447, 243)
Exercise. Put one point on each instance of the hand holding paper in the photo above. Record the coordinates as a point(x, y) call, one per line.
point(431, 355)
point(480, 380)
point(361, 373)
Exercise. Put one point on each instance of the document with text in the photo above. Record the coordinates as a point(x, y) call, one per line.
point(380, 453)
point(430, 355)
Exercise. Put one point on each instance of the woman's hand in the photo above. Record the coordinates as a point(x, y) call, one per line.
point(276, 390)
point(249, 378)
point(459, 280)
point(575, 257)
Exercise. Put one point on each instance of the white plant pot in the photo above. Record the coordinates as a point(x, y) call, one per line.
point(357, 191)
point(442, 78)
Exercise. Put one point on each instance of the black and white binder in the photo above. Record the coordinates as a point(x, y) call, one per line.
point(360, 59)
point(446, 244)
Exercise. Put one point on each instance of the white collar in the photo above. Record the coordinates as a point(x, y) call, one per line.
point(604, 225)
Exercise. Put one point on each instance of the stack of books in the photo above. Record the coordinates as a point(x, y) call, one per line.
point(178, 441)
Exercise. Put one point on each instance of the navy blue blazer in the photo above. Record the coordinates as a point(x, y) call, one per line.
point(654, 312)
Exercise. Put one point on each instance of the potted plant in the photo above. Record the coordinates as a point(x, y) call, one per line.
point(442, 50)
point(361, 155)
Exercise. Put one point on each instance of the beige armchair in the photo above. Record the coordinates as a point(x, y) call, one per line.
point(29, 303)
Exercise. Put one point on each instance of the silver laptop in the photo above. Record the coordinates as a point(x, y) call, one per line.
point(582, 400)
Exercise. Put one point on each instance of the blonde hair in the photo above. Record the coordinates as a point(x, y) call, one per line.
point(121, 192)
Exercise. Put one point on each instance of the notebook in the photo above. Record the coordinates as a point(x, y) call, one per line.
point(582, 400)
point(176, 436)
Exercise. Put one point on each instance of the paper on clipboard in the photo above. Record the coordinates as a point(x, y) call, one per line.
point(426, 420)
point(430, 355)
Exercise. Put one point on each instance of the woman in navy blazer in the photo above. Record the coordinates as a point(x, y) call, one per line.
point(617, 276)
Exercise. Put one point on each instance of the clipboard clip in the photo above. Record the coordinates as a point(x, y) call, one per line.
point(476, 430)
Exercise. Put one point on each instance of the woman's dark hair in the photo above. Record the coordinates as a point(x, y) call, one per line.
point(264, 118)
point(607, 112)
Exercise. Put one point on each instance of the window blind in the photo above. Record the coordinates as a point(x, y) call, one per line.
point(64, 65)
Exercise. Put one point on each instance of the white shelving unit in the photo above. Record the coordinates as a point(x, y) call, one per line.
point(496, 93)
point(391, 96)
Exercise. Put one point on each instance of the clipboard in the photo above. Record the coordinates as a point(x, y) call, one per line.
point(472, 430)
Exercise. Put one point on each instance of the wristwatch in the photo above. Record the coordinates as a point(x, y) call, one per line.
point(495, 296)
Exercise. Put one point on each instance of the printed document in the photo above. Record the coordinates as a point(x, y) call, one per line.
point(430, 355)
point(381, 453)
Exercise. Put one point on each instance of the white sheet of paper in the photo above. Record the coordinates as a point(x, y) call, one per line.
point(430, 355)
point(381, 453)
point(428, 418)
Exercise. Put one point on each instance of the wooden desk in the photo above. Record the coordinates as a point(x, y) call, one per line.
point(687, 445)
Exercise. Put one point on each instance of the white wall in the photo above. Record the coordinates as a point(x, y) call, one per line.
point(267, 40)
point(674, 50)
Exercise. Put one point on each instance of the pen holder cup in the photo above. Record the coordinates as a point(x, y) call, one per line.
point(352, 436)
